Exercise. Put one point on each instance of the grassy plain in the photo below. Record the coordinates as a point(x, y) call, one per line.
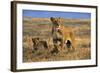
point(41, 28)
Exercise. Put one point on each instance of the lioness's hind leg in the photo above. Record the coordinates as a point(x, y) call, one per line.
point(73, 42)
point(73, 46)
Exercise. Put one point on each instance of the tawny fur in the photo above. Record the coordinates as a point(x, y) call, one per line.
point(66, 32)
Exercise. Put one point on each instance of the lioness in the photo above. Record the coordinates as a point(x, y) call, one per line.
point(62, 34)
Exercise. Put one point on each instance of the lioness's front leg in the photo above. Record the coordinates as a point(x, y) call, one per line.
point(62, 45)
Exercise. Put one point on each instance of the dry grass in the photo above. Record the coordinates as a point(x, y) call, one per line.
point(39, 27)
point(46, 55)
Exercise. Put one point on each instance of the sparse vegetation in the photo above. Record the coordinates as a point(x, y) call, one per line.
point(41, 28)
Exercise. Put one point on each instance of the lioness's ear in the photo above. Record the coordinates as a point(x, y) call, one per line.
point(51, 18)
point(60, 20)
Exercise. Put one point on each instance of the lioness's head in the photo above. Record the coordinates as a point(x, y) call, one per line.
point(56, 21)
